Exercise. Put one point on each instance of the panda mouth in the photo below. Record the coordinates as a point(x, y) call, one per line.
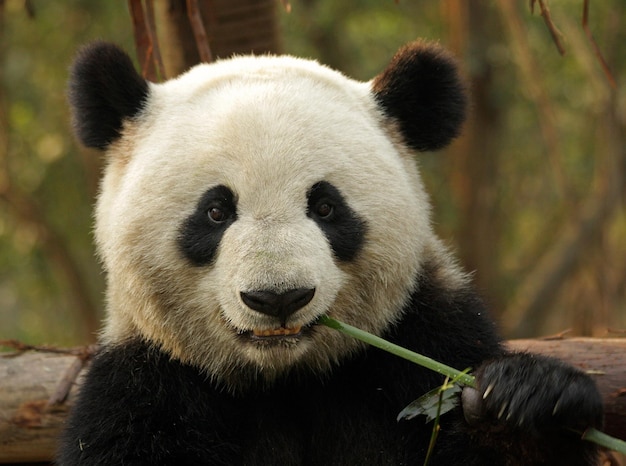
point(275, 334)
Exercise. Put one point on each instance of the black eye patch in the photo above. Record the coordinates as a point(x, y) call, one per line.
point(201, 233)
point(343, 228)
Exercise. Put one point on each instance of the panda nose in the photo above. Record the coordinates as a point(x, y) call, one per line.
point(280, 305)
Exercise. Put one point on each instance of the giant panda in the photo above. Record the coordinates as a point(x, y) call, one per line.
point(241, 202)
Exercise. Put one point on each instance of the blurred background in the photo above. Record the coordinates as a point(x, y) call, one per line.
point(531, 197)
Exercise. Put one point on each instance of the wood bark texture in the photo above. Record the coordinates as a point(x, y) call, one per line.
point(31, 384)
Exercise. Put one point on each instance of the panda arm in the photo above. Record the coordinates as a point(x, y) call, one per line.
point(533, 400)
point(137, 406)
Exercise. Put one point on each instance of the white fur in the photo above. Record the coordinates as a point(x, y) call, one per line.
point(268, 128)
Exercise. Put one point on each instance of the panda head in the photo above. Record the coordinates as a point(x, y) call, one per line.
point(247, 198)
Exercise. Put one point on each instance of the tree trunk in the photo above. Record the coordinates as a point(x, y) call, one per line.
point(473, 159)
point(231, 26)
point(31, 419)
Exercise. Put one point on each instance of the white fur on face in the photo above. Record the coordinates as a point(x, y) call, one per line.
point(268, 129)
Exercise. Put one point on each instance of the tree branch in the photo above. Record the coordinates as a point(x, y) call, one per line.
point(594, 44)
point(197, 26)
point(547, 18)
point(146, 41)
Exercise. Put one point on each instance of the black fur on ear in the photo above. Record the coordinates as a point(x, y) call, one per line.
point(104, 90)
point(422, 91)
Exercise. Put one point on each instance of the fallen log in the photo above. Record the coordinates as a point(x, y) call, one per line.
point(604, 359)
point(37, 388)
point(32, 405)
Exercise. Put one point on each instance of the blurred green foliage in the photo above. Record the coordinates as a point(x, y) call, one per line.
point(45, 163)
point(527, 196)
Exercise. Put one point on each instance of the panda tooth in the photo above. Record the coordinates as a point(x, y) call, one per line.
point(282, 331)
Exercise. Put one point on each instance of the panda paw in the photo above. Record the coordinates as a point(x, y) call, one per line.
point(534, 394)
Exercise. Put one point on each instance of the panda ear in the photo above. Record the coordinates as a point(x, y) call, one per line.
point(104, 90)
point(422, 91)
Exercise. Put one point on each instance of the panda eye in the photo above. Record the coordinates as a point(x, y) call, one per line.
point(217, 215)
point(324, 210)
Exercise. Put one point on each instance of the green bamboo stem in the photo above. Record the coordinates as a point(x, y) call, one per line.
point(425, 361)
point(604, 440)
point(591, 434)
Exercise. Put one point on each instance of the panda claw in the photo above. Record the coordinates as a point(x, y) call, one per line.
point(503, 409)
point(556, 407)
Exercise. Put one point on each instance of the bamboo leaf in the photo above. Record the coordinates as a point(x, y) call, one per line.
point(428, 404)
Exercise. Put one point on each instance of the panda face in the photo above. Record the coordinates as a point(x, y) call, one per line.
point(246, 199)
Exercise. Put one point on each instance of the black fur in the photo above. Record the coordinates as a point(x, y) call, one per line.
point(104, 91)
point(422, 91)
point(200, 236)
point(139, 407)
point(343, 228)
